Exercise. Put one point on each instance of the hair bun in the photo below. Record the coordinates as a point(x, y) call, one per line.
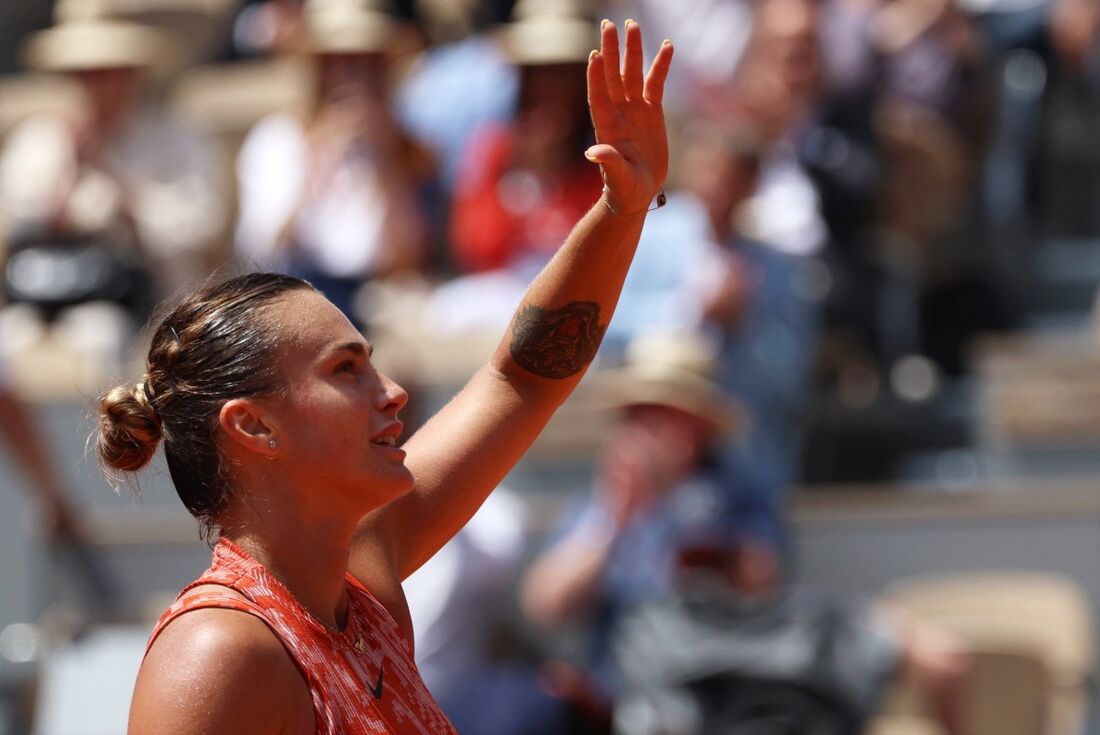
point(129, 429)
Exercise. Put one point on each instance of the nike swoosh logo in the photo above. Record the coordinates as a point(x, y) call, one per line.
point(376, 690)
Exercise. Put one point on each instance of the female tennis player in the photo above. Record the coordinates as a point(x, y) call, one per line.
point(281, 435)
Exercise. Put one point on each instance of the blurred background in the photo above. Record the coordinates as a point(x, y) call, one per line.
point(837, 466)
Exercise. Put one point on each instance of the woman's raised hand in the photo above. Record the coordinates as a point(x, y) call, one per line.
point(631, 142)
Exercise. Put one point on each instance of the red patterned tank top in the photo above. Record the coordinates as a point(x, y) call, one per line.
point(362, 680)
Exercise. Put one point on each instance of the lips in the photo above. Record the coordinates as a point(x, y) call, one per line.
point(388, 436)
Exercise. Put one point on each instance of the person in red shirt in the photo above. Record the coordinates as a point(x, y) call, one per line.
point(280, 433)
point(520, 187)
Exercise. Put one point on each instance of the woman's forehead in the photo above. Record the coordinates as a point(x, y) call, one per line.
point(311, 323)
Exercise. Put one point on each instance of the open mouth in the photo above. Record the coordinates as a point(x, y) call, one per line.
point(386, 441)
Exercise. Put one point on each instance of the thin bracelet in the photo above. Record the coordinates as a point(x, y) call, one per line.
point(662, 200)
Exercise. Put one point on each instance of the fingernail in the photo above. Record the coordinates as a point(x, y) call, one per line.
point(593, 55)
point(631, 21)
point(666, 42)
point(603, 23)
point(590, 157)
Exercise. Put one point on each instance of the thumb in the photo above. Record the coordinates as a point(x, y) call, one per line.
point(610, 159)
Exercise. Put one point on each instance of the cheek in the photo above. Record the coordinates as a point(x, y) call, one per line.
point(326, 425)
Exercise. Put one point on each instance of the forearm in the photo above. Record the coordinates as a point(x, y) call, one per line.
point(562, 583)
point(460, 454)
point(495, 418)
point(22, 436)
point(561, 321)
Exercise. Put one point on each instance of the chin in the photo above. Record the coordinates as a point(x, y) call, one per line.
point(391, 485)
point(407, 482)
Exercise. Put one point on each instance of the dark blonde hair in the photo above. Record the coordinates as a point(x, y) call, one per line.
point(211, 348)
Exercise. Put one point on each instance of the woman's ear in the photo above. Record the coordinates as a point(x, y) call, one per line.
point(248, 426)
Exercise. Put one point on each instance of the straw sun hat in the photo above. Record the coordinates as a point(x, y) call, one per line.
point(87, 44)
point(550, 32)
point(350, 27)
point(672, 369)
point(160, 35)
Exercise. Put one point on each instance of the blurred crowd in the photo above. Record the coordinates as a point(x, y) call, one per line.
point(857, 188)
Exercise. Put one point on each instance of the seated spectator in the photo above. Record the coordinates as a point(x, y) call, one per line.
point(658, 501)
point(716, 656)
point(521, 186)
point(614, 554)
point(334, 198)
point(763, 306)
point(458, 84)
point(758, 304)
point(92, 205)
point(777, 87)
point(58, 517)
point(465, 649)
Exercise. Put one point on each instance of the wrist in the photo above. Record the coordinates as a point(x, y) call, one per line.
point(624, 211)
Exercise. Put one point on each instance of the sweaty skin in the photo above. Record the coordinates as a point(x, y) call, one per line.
point(331, 496)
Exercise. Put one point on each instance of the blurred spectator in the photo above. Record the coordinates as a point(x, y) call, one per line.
point(56, 516)
point(672, 272)
point(90, 206)
point(1073, 28)
point(334, 198)
point(614, 553)
point(778, 88)
point(711, 656)
point(657, 504)
point(462, 82)
point(759, 305)
point(521, 186)
point(764, 307)
point(459, 602)
point(711, 36)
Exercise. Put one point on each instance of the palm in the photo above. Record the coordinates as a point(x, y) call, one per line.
point(632, 145)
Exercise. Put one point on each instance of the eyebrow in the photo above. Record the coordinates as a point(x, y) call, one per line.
point(359, 348)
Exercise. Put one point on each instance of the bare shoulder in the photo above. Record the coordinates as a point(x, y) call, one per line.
point(217, 671)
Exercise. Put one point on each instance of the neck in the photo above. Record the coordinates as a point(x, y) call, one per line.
point(308, 557)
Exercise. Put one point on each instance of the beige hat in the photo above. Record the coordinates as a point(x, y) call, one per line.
point(154, 12)
point(198, 25)
point(550, 32)
point(349, 26)
point(672, 369)
point(98, 43)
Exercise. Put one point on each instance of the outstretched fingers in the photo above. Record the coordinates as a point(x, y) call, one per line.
point(632, 61)
point(609, 50)
point(599, 101)
point(658, 73)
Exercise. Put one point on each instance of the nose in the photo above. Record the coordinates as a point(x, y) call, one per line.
point(393, 396)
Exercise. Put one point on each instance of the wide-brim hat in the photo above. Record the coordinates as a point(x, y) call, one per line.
point(676, 370)
point(550, 32)
point(200, 23)
point(98, 43)
point(166, 14)
point(349, 27)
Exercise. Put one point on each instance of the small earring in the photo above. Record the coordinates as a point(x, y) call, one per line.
point(271, 444)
